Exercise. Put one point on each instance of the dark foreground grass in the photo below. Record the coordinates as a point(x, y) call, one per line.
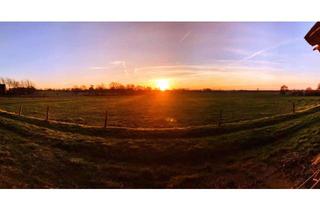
point(274, 155)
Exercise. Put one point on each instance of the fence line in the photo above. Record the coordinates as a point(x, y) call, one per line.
point(47, 114)
point(293, 107)
point(106, 120)
point(20, 110)
point(221, 117)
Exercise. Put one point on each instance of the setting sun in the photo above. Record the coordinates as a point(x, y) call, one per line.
point(163, 84)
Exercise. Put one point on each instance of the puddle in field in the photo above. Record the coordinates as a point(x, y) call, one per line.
point(171, 120)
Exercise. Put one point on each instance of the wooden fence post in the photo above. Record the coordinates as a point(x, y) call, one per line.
point(293, 107)
point(106, 120)
point(20, 110)
point(47, 114)
point(220, 118)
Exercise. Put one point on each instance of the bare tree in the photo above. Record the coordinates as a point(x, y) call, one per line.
point(100, 87)
point(9, 83)
point(116, 86)
point(284, 89)
point(2, 80)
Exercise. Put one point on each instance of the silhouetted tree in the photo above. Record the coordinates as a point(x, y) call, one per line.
point(309, 89)
point(116, 86)
point(91, 87)
point(100, 87)
point(284, 89)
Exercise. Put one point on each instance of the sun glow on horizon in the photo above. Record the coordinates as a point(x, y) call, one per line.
point(163, 84)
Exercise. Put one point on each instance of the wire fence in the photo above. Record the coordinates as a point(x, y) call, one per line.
point(218, 118)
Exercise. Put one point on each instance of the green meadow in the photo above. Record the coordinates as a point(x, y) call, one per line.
point(159, 110)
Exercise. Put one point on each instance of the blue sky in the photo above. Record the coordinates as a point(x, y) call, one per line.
point(223, 55)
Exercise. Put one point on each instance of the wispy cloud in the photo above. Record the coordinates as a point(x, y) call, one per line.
point(237, 51)
point(185, 36)
point(200, 70)
point(119, 63)
point(217, 75)
point(98, 67)
point(262, 51)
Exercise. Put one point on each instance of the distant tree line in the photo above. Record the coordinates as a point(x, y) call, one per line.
point(113, 88)
point(15, 87)
point(284, 90)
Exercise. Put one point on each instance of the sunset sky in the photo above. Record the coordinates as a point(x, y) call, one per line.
point(190, 55)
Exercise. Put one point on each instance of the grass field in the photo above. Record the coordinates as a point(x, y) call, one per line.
point(273, 152)
point(159, 109)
